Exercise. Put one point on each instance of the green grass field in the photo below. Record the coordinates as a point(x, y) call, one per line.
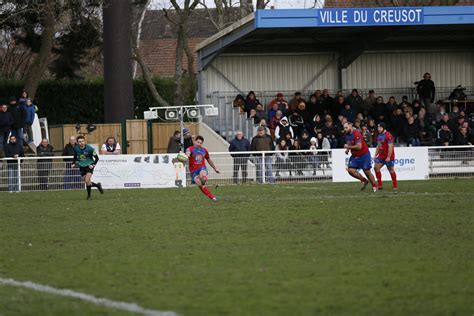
point(300, 249)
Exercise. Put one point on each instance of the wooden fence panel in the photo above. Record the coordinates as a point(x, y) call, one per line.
point(137, 137)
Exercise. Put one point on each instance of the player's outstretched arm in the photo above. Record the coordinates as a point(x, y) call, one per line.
point(211, 163)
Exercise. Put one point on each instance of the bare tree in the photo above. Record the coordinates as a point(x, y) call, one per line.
point(42, 60)
point(139, 8)
point(246, 7)
point(180, 20)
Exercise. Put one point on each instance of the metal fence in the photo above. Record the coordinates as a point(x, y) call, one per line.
point(54, 173)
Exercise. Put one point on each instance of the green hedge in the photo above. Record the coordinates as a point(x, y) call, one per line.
point(69, 102)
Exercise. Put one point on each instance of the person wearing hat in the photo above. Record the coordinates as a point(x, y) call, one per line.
point(188, 139)
point(385, 156)
point(284, 128)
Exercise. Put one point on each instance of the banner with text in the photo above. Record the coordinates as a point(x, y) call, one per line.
point(370, 16)
point(411, 163)
point(140, 171)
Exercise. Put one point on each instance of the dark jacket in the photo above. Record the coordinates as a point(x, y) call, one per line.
point(444, 136)
point(355, 102)
point(19, 116)
point(188, 142)
point(12, 149)
point(42, 151)
point(173, 145)
point(426, 89)
point(68, 151)
point(411, 130)
point(262, 143)
point(239, 145)
point(6, 121)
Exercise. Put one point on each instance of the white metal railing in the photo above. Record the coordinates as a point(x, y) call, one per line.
point(55, 173)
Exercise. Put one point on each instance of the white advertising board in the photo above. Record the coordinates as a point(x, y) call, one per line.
point(411, 163)
point(140, 171)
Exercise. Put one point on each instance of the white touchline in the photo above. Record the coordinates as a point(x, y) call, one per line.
point(129, 307)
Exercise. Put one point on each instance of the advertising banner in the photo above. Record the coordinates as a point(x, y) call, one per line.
point(140, 171)
point(411, 163)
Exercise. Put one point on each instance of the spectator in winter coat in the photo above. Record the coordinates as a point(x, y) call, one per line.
point(463, 138)
point(272, 111)
point(328, 102)
point(348, 113)
point(355, 101)
point(23, 98)
point(19, 116)
point(396, 123)
point(261, 112)
point(295, 101)
point(253, 115)
point(282, 157)
point(274, 122)
point(426, 129)
point(426, 90)
point(304, 113)
point(174, 143)
point(263, 142)
point(411, 131)
point(304, 140)
point(283, 128)
point(239, 103)
point(29, 118)
point(13, 150)
point(250, 102)
point(281, 104)
point(44, 165)
point(72, 176)
point(297, 123)
point(6, 121)
point(239, 144)
point(379, 110)
point(368, 103)
point(315, 105)
point(330, 131)
point(444, 136)
point(316, 125)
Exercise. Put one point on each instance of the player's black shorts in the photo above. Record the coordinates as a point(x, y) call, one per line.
point(86, 170)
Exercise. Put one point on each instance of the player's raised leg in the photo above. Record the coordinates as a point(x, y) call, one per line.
point(201, 180)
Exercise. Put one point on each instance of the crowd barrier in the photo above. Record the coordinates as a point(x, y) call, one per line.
point(163, 170)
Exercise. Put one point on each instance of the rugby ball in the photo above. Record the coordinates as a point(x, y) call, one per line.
point(182, 157)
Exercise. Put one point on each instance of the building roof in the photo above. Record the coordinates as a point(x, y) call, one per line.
point(336, 30)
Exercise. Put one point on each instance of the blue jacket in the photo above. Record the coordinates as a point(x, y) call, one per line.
point(30, 114)
point(239, 145)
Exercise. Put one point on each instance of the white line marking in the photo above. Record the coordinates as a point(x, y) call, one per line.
point(129, 307)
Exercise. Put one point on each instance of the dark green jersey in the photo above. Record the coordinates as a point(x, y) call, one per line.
point(85, 156)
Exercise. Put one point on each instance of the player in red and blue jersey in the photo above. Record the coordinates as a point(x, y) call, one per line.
point(360, 158)
point(198, 155)
point(385, 155)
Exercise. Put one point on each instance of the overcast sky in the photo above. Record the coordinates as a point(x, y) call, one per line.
point(278, 4)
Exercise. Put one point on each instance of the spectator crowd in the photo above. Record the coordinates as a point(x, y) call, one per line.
point(322, 116)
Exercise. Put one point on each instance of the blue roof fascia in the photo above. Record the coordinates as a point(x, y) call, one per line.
point(360, 17)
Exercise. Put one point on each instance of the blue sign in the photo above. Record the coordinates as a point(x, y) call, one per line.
point(382, 16)
point(370, 16)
